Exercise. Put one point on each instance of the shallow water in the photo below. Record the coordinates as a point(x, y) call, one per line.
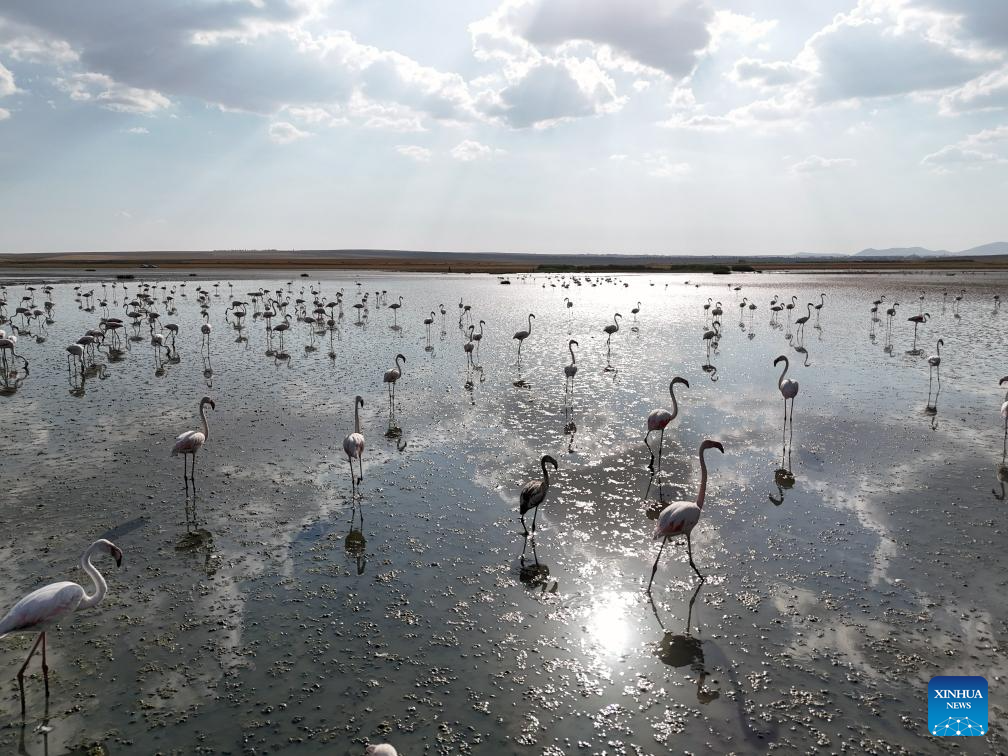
point(846, 564)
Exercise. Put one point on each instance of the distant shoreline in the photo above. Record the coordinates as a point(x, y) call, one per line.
point(395, 261)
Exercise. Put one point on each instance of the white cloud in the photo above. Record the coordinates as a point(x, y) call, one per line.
point(730, 25)
point(4, 114)
point(885, 48)
point(977, 150)
point(137, 130)
point(283, 132)
point(414, 152)
point(7, 86)
point(663, 35)
point(662, 165)
point(470, 150)
point(766, 75)
point(818, 164)
point(954, 154)
point(550, 92)
point(986, 92)
point(112, 95)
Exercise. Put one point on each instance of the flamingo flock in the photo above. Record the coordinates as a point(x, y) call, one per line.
point(42, 608)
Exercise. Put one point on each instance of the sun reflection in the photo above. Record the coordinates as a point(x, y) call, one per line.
point(608, 627)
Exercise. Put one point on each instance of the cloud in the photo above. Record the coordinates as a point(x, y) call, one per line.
point(662, 165)
point(986, 92)
point(112, 95)
point(972, 151)
point(885, 48)
point(663, 35)
point(414, 152)
point(283, 132)
point(137, 130)
point(470, 150)
point(766, 75)
point(257, 57)
point(985, 21)
point(817, 164)
point(954, 154)
point(550, 92)
point(4, 114)
point(7, 86)
point(730, 25)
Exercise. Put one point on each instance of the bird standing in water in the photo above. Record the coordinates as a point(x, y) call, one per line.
point(533, 493)
point(353, 445)
point(658, 419)
point(680, 517)
point(46, 606)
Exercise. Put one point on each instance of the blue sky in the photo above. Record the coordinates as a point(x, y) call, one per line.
point(670, 126)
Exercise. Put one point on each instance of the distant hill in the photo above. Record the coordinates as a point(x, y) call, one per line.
point(995, 248)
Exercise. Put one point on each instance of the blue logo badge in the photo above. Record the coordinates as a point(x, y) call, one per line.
point(957, 706)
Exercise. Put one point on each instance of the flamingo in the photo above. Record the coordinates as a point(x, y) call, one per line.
point(681, 517)
point(53, 603)
point(75, 354)
point(429, 322)
point(192, 441)
point(353, 445)
point(1004, 414)
point(609, 330)
point(205, 329)
point(917, 320)
point(788, 389)
point(395, 310)
point(571, 370)
point(533, 493)
point(634, 311)
point(709, 336)
point(934, 363)
point(469, 346)
point(790, 306)
point(707, 307)
point(804, 319)
point(390, 377)
point(822, 301)
point(522, 335)
point(478, 337)
point(659, 418)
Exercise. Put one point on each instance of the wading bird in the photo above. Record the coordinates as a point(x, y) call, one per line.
point(658, 419)
point(680, 517)
point(46, 606)
point(609, 330)
point(788, 389)
point(522, 335)
point(917, 320)
point(192, 441)
point(570, 370)
point(533, 493)
point(353, 445)
point(390, 377)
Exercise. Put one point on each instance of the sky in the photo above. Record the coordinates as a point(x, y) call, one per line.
point(636, 126)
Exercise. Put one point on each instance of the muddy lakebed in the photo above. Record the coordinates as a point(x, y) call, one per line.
point(269, 611)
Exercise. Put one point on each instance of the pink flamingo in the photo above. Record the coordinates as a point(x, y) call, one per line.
point(53, 603)
point(659, 418)
point(192, 441)
point(680, 517)
point(353, 445)
point(534, 492)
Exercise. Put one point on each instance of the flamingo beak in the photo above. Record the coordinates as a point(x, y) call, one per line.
point(117, 555)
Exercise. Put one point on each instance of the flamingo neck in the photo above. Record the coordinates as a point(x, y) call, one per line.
point(101, 588)
point(675, 402)
point(545, 475)
point(702, 493)
point(780, 381)
point(206, 425)
point(570, 348)
point(530, 325)
point(356, 418)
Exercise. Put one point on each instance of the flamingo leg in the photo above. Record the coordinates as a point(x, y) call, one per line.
point(651, 463)
point(689, 550)
point(20, 674)
point(534, 515)
point(45, 665)
point(525, 527)
point(661, 443)
point(654, 569)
